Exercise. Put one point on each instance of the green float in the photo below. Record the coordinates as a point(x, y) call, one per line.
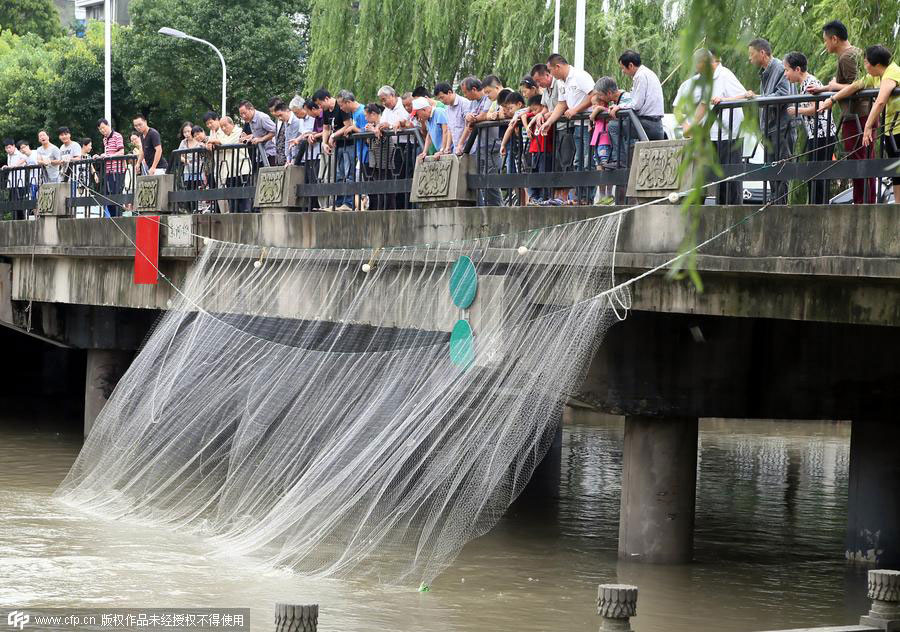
point(463, 282)
point(462, 344)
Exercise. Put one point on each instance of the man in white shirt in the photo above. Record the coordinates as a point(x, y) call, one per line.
point(396, 117)
point(14, 180)
point(574, 86)
point(724, 129)
point(646, 102)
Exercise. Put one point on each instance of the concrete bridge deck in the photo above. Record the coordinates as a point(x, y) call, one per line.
point(814, 263)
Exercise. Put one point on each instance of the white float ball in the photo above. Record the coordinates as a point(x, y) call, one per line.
point(366, 267)
point(257, 264)
point(673, 197)
point(523, 250)
point(206, 241)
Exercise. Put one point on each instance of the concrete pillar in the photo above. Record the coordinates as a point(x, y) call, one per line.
point(544, 483)
point(104, 368)
point(659, 486)
point(873, 504)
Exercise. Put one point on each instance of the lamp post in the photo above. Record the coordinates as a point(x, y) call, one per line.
point(580, 10)
point(107, 60)
point(182, 35)
point(556, 29)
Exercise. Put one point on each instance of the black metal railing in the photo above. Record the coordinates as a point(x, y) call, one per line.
point(367, 170)
point(112, 177)
point(540, 167)
point(750, 133)
point(217, 180)
point(18, 190)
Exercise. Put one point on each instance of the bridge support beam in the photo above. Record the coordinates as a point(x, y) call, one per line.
point(659, 485)
point(873, 507)
point(104, 368)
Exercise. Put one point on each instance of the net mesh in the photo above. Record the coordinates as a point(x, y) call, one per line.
point(293, 406)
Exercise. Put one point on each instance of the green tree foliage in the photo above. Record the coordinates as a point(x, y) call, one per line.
point(30, 16)
point(263, 42)
point(45, 85)
point(363, 44)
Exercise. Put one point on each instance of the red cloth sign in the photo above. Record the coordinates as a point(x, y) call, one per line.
point(146, 255)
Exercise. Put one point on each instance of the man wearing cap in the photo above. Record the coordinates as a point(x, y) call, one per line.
point(435, 122)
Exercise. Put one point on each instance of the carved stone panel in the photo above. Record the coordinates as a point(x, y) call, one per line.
point(434, 179)
point(442, 181)
point(146, 195)
point(151, 193)
point(51, 198)
point(277, 186)
point(269, 187)
point(654, 168)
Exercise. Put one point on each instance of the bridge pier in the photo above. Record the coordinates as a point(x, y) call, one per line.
point(544, 483)
point(659, 486)
point(873, 507)
point(104, 369)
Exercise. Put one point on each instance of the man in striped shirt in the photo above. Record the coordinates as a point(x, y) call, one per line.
point(114, 170)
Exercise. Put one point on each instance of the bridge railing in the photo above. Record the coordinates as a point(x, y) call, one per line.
point(750, 133)
point(378, 166)
point(18, 190)
point(219, 180)
point(759, 143)
point(112, 177)
point(567, 156)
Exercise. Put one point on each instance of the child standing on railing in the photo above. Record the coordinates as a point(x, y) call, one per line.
point(601, 144)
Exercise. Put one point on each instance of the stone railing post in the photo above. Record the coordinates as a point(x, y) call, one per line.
point(616, 603)
point(290, 618)
point(884, 591)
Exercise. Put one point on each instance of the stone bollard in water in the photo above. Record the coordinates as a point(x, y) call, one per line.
point(884, 591)
point(296, 618)
point(616, 603)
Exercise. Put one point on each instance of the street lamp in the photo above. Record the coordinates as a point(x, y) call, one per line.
point(182, 35)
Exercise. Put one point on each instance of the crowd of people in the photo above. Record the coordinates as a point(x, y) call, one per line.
point(556, 118)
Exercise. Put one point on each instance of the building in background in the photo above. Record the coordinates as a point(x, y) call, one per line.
point(93, 10)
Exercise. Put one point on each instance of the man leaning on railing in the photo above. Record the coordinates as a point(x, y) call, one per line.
point(114, 170)
point(820, 130)
point(646, 99)
point(232, 165)
point(574, 87)
point(836, 40)
point(14, 174)
point(725, 128)
point(774, 121)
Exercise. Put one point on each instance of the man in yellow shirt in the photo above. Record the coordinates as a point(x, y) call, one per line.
point(885, 76)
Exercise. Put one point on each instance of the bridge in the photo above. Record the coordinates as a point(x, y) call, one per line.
point(798, 319)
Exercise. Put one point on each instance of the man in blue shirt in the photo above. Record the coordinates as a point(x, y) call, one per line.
point(347, 153)
point(435, 121)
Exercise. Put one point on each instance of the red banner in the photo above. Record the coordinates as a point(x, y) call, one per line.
point(146, 256)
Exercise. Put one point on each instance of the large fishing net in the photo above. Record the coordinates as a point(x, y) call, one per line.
point(312, 408)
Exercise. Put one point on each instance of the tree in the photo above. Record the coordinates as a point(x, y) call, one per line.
point(263, 42)
point(30, 16)
point(362, 45)
point(45, 85)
